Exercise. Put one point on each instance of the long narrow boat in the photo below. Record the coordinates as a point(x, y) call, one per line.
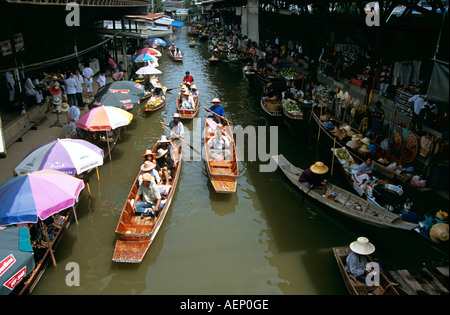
point(273, 110)
point(154, 105)
point(345, 202)
point(99, 139)
point(136, 234)
point(358, 156)
point(385, 287)
point(42, 254)
point(222, 171)
point(187, 113)
point(175, 58)
point(294, 114)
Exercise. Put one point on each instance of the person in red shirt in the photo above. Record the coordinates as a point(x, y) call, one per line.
point(188, 78)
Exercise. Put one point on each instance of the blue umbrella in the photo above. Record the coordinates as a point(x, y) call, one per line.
point(143, 58)
point(159, 41)
point(16, 257)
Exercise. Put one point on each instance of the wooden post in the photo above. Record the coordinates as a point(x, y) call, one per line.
point(320, 123)
point(48, 243)
point(109, 149)
point(98, 177)
point(75, 213)
point(332, 161)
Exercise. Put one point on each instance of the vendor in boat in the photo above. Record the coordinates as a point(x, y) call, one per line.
point(218, 110)
point(356, 261)
point(314, 175)
point(364, 171)
point(148, 192)
point(269, 92)
point(164, 165)
point(176, 126)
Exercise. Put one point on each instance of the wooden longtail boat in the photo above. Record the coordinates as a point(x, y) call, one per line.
point(192, 43)
point(357, 155)
point(385, 287)
point(154, 105)
point(136, 234)
point(273, 109)
point(42, 254)
point(223, 173)
point(294, 117)
point(175, 58)
point(344, 202)
point(187, 113)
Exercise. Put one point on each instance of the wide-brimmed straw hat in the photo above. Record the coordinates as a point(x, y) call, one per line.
point(163, 138)
point(216, 100)
point(319, 168)
point(364, 148)
point(353, 144)
point(366, 141)
point(194, 87)
point(160, 153)
point(347, 128)
point(362, 246)
point(439, 232)
point(147, 177)
point(64, 107)
point(351, 133)
point(147, 166)
point(148, 152)
point(176, 115)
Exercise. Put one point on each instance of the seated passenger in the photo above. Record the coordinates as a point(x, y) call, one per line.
point(164, 165)
point(187, 102)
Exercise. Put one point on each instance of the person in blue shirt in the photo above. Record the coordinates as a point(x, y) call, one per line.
point(218, 109)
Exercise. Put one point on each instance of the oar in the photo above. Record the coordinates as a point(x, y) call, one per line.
point(224, 118)
point(312, 186)
point(162, 124)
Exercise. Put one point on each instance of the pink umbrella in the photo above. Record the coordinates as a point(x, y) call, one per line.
point(149, 51)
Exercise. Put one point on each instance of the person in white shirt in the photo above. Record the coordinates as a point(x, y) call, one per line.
point(31, 90)
point(101, 80)
point(419, 104)
point(71, 89)
point(188, 101)
point(72, 116)
point(10, 83)
point(88, 74)
point(80, 82)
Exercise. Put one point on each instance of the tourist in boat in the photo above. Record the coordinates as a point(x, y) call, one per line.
point(218, 110)
point(194, 92)
point(314, 175)
point(172, 48)
point(148, 192)
point(164, 165)
point(188, 78)
point(356, 261)
point(164, 143)
point(364, 171)
point(149, 156)
point(176, 126)
point(178, 53)
point(149, 167)
point(219, 145)
point(188, 101)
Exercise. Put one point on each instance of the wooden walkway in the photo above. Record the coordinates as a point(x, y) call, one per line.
point(426, 281)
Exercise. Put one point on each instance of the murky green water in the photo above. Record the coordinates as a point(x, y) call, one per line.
point(265, 239)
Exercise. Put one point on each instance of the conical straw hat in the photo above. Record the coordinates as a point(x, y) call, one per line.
point(362, 246)
point(319, 168)
point(439, 232)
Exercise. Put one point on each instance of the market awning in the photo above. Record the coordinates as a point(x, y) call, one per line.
point(438, 87)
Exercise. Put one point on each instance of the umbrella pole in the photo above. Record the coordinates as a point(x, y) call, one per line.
point(48, 243)
point(98, 177)
point(89, 188)
point(74, 212)
point(109, 149)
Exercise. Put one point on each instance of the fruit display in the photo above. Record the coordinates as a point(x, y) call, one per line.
point(288, 72)
point(292, 107)
point(441, 214)
point(154, 103)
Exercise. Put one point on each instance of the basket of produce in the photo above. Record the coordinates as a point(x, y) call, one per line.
point(292, 108)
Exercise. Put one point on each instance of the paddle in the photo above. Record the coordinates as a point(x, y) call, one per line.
point(303, 199)
point(224, 118)
point(164, 125)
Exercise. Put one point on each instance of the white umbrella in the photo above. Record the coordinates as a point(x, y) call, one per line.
point(148, 70)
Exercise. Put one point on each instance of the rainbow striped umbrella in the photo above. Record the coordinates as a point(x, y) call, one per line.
point(104, 118)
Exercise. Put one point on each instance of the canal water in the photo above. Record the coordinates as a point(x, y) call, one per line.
point(264, 239)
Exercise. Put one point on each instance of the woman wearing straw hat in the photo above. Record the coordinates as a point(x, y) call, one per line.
point(218, 110)
point(356, 261)
point(314, 175)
